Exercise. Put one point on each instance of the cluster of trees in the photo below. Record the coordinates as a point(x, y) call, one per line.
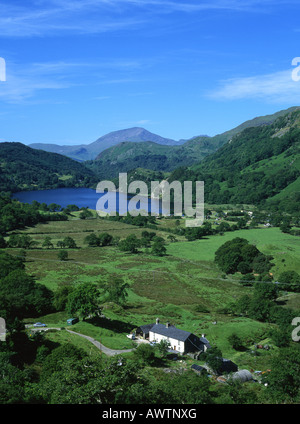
point(289, 280)
point(15, 215)
point(86, 299)
point(131, 243)
point(262, 305)
point(237, 255)
point(139, 221)
point(103, 239)
point(68, 375)
point(21, 296)
point(22, 241)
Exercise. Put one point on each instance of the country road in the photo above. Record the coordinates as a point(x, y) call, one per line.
point(104, 349)
point(100, 346)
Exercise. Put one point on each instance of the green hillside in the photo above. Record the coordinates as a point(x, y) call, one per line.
point(24, 168)
point(127, 156)
point(257, 166)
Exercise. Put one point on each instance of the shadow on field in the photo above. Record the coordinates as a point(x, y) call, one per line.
point(111, 324)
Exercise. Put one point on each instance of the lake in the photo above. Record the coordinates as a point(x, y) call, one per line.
point(84, 197)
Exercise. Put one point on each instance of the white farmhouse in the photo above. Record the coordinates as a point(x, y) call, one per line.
point(179, 340)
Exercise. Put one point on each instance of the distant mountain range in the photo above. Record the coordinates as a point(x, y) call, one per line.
point(126, 156)
point(257, 162)
point(90, 151)
point(198, 146)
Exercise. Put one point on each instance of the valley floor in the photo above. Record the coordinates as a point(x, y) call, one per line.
point(184, 287)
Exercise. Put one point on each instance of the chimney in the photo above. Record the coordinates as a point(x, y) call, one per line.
point(203, 335)
point(167, 325)
point(157, 320)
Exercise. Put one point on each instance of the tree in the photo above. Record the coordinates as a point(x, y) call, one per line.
point(280, 337)
point(237, 255)
point(22, 297)
point(163, 347)
point(53, 207)
point(290, 280)
point(84, 300)
point(145, 353)
point(213, 358)
point(284, 378)
point(130, 244)
point(247, 280)
point(60, 297)
point(2, 242)
point(116, 290)
point(235, 341)
point(12, 382)
point(262, 302)
point(47, 242)
point(22, 241)
point(85, 214)
point(92, 240)
point(242, 306)
point(63, 255)
point(60, 244)
point(285, 227)
point(158, 247)
point(105, 239)
point(69, 243)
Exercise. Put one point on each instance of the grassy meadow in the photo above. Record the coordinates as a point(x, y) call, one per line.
point(184, 287)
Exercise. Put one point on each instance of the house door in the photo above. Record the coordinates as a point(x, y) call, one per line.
point(174, 347)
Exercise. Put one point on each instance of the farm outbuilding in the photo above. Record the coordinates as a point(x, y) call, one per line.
point(72, 321)
point(198, 369)
point(242, 376)
point(228, 366)
point(144, 330)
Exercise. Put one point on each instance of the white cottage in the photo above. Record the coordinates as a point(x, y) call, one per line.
point(179, 340)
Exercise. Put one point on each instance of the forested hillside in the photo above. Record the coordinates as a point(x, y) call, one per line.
point(127, 156)
point(258, 165)
point(23, 168)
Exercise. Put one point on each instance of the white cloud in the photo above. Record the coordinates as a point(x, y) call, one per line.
point(23, 83)
point(51, 17)
point(274, 87)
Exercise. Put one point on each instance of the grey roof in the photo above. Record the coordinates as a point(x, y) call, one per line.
point(146, 328)
point(204, 341)
point(242, 375)
point(197, 367)
point(171, 331)
point(228, 365)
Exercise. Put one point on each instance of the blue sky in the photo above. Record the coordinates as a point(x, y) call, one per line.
point(78, 69)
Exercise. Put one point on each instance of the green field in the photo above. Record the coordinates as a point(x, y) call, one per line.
point(184, 287)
